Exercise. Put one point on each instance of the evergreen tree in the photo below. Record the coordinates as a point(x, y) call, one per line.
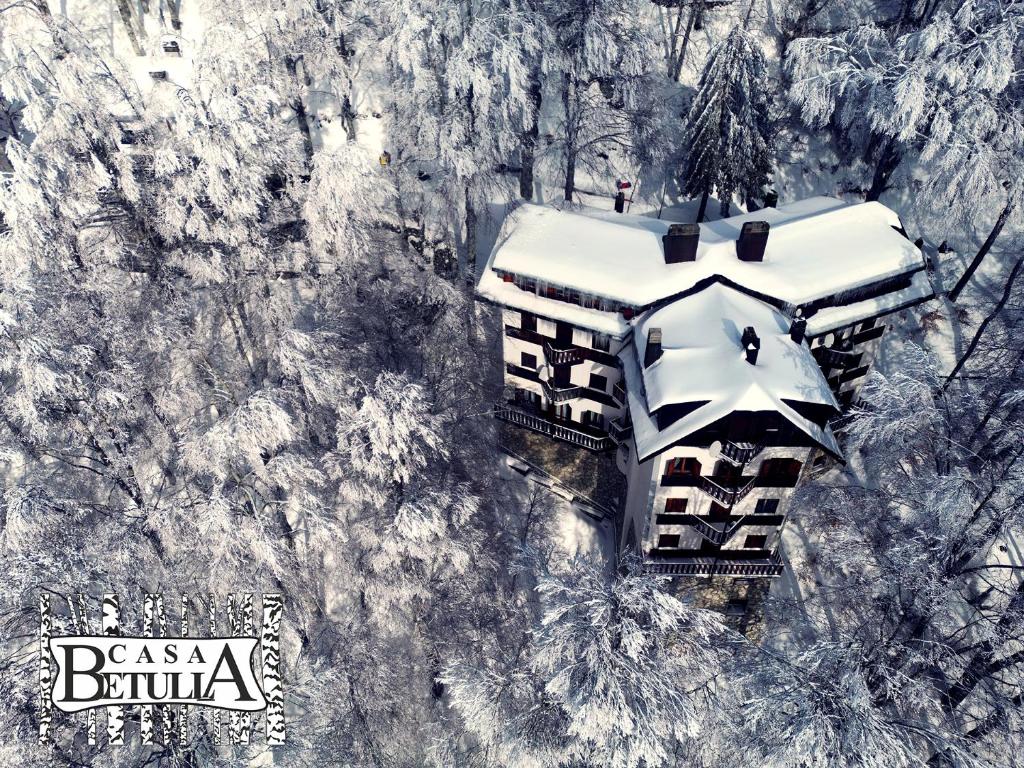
point(728, 129)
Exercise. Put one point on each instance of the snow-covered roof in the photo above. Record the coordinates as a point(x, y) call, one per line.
point(507, 294)
point(831, 318)
point(816, 247)
point(703, 361)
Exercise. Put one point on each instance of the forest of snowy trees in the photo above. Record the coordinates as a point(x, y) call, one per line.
point(239, 352)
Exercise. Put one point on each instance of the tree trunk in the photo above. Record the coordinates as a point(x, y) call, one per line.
point(349, 117)
point(470, 239)
point(984, 664)
point(129, 24)
point(985, 248)
point(570, 175)
point(695, 10)
point(724, 207)
point(568, 95)
point(299, 108)
point(673, 50)
point(985, 323)
point(528, 148)
point(888, 160)
point(307, 138)
point(703, 206)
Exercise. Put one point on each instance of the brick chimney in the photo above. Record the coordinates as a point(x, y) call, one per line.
point(753, 240)
point(653, 351)
point(751, 344)
point(680, 243)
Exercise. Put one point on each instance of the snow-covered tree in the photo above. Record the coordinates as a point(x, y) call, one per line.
point(727, 130)
point(947, 94)
point(598, 680)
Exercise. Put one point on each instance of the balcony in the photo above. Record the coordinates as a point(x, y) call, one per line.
point(725, 490)
point(740, 453)
point(720, 536)
point(835, 358)
point(559, 393)
point(619, 393)
point(770, 566)
point(592, 440)
point(619, 431)
point(563, 355)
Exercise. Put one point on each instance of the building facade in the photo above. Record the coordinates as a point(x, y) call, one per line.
point(714, 358)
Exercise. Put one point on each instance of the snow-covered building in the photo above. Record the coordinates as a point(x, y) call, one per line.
point(714, 355)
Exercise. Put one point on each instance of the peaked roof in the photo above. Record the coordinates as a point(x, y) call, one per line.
point(703, 362)
point(817, 247)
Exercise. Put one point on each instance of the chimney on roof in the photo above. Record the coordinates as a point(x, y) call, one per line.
point(798, 330)
point(653, 351)
point(751, 344)
point(680, 243)
point(620, 201)
point(753, 240)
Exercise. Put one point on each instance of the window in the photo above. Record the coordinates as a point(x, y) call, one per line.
point(528, 322)
point(598, 382)
point(682, 466)
point(529, 361)
point(755, 542)
point(671, 519)
point(675, 505)
point(574, 297)
point(766, 507)
point(601, 342)
point(668, 541)
point(593, 419)
point(737, 606)
point(779, 473)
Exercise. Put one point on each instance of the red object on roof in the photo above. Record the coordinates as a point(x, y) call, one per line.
point(623, 185)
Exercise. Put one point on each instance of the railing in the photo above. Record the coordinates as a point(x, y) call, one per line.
point(558, 394)
point(619, 393)
point(708, 566)
point(619, 432)
point(708, 531)
point(869, 335)
point(568, 356)
point(523, 373)
point(835, 358)
point(724, 495)
point(551, 429)
point(856, 373)
point(740, 453)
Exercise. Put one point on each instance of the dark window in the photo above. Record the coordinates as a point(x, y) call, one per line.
point(529, 361)
point(670, 519)
point(668, 541)
point(682, 466)
point(601, 342)
point(779, 473)
point(766, 507)
point(755, 542)
point(675, 505)
point(574, 297)
point(736, 607)
point(528, 322)
point(598, 382)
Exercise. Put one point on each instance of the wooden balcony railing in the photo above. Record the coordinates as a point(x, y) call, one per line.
point(740, 453)
point(558, 393)
point(568, 355)
point(553, 429)
point(726, 491)
point(620, 431)
point(710, 566)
